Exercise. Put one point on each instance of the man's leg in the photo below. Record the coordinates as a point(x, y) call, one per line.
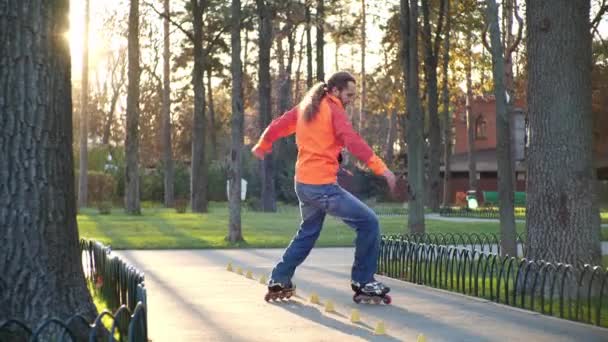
point(360, 217)
point(302, 243)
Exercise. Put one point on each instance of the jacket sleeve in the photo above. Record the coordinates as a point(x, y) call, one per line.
point(283, 126)
point(353, 142)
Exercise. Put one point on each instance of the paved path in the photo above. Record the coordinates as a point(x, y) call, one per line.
point(193, 298)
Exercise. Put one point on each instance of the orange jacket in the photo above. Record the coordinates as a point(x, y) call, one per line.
point(320, 141)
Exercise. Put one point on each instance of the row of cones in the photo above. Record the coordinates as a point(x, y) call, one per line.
point(355, 315)
point(248, 275)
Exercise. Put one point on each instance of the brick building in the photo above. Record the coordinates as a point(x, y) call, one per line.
point(484, 111)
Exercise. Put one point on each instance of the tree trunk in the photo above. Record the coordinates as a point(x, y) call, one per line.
point(415, 125)
point(265, 43)
point(107, 130)
point(390, 140)
point(298, 90)
point(84, 114)
point(234, 173)
point(42, 274)
point(132, 137)
point(362, 81)
point(470, 116)
point(431, 49)
point(320, 40)
point(447, 118)
point(166, 113)
point(508, 244)
point(198, 177)
point(309, 71)
point(212, 129)
point(563, 222)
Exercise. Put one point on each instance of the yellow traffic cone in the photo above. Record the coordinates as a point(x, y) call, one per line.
point(229, 268)
point(421, 338)
point(314, 298)
point(263, 280)
point(355, 317)
point(239, 271)
point(380, 329)
point(329, 306)
point(249, 275)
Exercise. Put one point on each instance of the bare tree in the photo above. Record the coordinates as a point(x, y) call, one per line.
point(166, 113)
point(431, 53)
point(234, 226)
point(415, 124)
point(84, 116)
point(503, 150)
point(308, 19)
point(447, 119)
point(470, 116)
point(320, 40)
point(199, 169)
point(132, 137)
point(265, 108)
point(362, 81)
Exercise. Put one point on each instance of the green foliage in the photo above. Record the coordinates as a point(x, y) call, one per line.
point(101, 186)
point(180, 205)
point(151, 185)
point(216, 186)
point(181, 181)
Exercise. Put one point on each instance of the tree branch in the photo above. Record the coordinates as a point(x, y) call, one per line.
point(520, 23)
point(176, 24)
point(442, 11)
point(484, 37)
point(426, 26)
point(598, 17)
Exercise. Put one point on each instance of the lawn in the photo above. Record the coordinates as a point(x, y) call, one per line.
point(159, 228)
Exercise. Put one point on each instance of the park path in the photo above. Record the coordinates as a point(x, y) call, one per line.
point(192, 297)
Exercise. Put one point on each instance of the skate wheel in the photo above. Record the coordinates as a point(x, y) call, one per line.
point(387, 299)
point(377, 300)
point(288, 295)
point(267, 297)
point(356, 298)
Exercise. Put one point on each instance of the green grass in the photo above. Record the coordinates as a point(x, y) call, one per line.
point(159, 228)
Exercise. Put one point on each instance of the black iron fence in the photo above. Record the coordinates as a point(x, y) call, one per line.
point(122, 288)
point(483, 242)
point(462, 265)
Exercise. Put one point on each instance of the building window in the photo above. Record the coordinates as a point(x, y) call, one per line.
point(480, 128)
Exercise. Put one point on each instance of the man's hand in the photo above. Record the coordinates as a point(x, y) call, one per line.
point(390, 180)
point(258, 153)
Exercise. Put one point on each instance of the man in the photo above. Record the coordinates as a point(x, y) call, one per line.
point(322, 129)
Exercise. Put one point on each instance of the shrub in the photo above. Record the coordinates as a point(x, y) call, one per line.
point(105, 207)
point(101, 186)
point(181, 205)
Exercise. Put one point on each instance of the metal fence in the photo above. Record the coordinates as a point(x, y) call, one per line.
point(121, 286)
point(560, 290)
point(487, 213)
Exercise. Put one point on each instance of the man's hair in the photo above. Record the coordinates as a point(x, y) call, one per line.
point(312, 100)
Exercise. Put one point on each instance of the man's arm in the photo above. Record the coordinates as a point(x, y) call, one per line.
point(353, 142)
point(280, 127)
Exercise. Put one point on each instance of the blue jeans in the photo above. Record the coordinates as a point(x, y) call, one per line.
point(315, 202)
